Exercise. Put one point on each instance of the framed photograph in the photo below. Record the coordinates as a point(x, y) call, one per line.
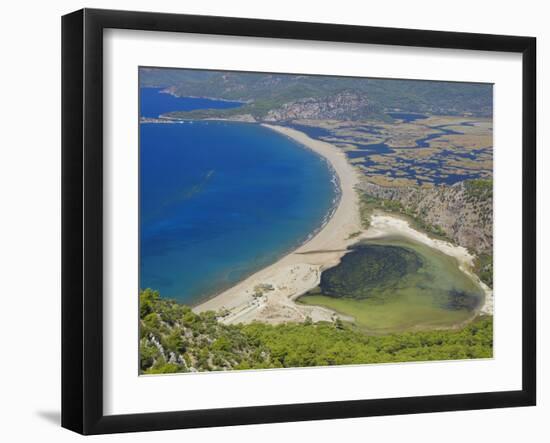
point(270, 221)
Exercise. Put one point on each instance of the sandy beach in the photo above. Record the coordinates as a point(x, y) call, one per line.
point(269, 295)
point(299, 271)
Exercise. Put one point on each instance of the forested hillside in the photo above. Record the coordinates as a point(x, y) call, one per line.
point(175, 339)
point(271, 92)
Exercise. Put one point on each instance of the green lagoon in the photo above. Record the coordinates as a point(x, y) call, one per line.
point(393, 284)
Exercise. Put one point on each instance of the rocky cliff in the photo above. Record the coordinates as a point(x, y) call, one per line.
point(464, 211)
point(342, 106)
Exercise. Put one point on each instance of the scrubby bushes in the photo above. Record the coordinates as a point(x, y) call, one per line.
point(175, 339)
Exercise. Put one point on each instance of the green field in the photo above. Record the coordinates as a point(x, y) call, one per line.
point(394, 284)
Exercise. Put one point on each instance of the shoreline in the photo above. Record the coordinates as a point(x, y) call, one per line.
point(300, 270)
point(383, 225)
point(269, 295)
point(291, 250)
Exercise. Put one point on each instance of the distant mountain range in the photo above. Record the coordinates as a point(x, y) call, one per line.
point(279, 97)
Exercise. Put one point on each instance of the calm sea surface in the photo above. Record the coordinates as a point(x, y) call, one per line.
point(153, 103)
point(219, 201)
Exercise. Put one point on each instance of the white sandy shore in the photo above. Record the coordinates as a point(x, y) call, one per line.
point(300, 271)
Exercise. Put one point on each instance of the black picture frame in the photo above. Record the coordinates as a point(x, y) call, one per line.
point(82, 220)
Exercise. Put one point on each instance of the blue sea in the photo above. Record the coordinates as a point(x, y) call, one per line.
point(153, 103)
point(220, 200)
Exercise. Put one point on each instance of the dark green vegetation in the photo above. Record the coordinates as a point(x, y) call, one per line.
point(479, 189)
point(174, 339)
point(483, 267)
point(394, 284)
point(264, 92)
point(479, 192)
point(368, 267)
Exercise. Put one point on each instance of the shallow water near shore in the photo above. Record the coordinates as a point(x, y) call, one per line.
point(393, 284)
point(220, 201)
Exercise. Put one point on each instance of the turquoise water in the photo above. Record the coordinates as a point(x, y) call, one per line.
point(219, 201)
point(392, 283)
